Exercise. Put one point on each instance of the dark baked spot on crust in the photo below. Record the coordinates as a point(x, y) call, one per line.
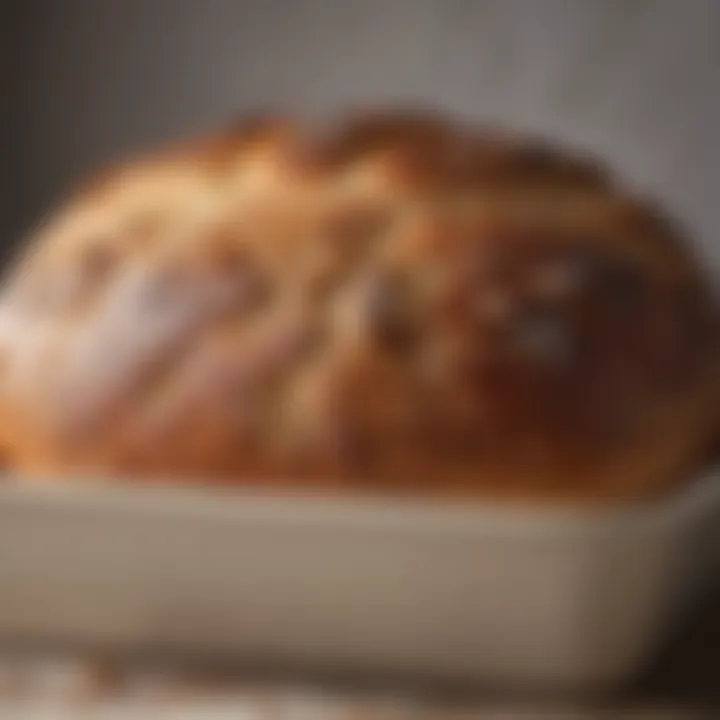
point(393, 313)
point(237, 264)
point(98, 259)
point(232, 259)
point(541, 161)
point(367, 133)
point(542, 335)
point(617, 283)
point(492, 161)
point(623, 287)
point(354, 228)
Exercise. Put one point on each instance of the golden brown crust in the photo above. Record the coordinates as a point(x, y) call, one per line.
point(397, 303)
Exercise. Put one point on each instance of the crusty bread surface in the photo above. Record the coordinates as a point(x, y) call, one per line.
point(393, 303)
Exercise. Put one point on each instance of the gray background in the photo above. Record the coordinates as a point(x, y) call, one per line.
point(88, 80)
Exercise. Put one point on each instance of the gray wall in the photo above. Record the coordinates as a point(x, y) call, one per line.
point(88, 80)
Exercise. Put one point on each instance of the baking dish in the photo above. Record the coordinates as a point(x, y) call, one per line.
point(542, 598)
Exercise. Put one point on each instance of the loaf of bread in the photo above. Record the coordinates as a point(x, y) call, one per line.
point(394, 303)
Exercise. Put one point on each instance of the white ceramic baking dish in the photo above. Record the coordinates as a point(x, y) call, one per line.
point(544, 598)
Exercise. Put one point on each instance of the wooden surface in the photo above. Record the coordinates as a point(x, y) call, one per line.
point(75, 690)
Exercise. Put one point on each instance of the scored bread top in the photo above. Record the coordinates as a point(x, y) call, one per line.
point(392, 303)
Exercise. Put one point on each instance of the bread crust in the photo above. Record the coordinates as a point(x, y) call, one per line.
point(394, 303)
